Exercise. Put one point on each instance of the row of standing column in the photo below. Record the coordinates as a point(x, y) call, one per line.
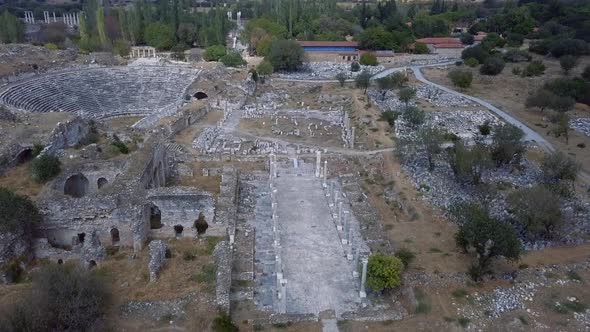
point(70, 19)
point(281, 282)
point(343, 222)
point(143, 53)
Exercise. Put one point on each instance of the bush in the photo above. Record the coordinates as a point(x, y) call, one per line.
point(567, 63)
point(485, 128)
point(61, 299)
point(469, 164)
point(405, 256)
point(421, 48)
point(390, 117)
point(45, 167)
point(514, 39)
point(368, 59)
point(363, 80)
point(586, 73)
point(478, 52)
point(535, 68)
point(537, 209)
point(507, 145)
point(51, 46)
point(516, 55)
point(540, 47)
point(264, 69)
point(285, 55)
point(121, 47)
point(467, 39)
point(492, 66)
point(414, 116)
point(223, 323)
point(232, 59)
point(383, 272)
point(576, 88)
point(561, 47)
point(160, 36)
point(461, 78)
point(18, 213)
point(472, 62)
point(122, 147)
point(214, 53)
point(355, 67)
point(406, 95)
point(488, 237)
point(557, 167)
point(493, 40)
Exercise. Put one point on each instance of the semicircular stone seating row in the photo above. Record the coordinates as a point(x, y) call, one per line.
point(101, 92)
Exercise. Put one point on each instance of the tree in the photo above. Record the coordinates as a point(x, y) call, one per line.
point(562, 126)
point(385, 84)
point(432, 139)
point(493, 40)
point(383, 272)
point(544, 98)
point(468, 165)
point(492, 66)
point(516, 55)
point(264, 69)
point(507, 144)
point(61, 299)
point(375, 38)
point(414, 116)
point(557, 167)
point(536, 209)
point(45, 167)
point(472, 62)
point(406, 95)
point(285, 55)
point(567, 63)
point(232, 59)
point(214, 52)
point(488, 237)
point(12, 30)
point(467, 38)
point(560, 47)
point(341, 77)
point(398, 79)
point(160, 36)
point(461, 78)
point(535, 68)
point(478, 52)
point(514, 39)
point(355, 67)
point(586, 73)
point(363, 80)
point(368, 59)
point(421, 48)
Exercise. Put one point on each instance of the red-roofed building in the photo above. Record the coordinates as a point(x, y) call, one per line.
point(442, 45)
point(479, 37)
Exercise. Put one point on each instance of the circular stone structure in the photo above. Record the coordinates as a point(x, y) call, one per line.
point(102, 92)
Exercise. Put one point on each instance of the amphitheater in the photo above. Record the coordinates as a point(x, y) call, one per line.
point(102, 92)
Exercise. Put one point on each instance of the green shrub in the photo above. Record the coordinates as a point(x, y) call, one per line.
point(492, 66)
point(421, 48)
point(516, 55)
point(51, 46)
point(122, 147)
point(535, 68)
point(514, 39)
point(478, 52)
point(467, 39)
point(45, 167)
point(368, 59)
point(223, 323)
point(472, 62)
point(383, 272)
point(232, 59)
point(414, 116)
point(355, 67)
point(214, 53)
point(485, 128)
point(390, 117)
point(461, 78)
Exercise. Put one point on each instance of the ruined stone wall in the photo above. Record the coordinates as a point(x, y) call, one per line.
point(182, 206)
point(67, 134)
point(226, 210)
point(223, 260)
point(187, 119)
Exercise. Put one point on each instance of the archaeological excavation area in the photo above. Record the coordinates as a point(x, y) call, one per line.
point(200, 193)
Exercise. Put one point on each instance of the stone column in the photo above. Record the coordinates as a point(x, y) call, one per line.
point(325, 173)
point(63, 16)
point(318, 162)
point(339, 224)
point(283, 308)
point(352, 138)
point(78, 18)
point(363, 293)
point(54, 18)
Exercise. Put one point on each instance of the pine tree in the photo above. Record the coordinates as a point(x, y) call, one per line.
point(102, 36)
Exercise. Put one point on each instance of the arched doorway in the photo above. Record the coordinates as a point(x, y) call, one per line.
point(115, 236)
point(155, 217)
point(81, 237)
point(178, 230)
point(24, 156)
point(200, 95)
point(101, 182)
point(76, 185)
point(91, 264)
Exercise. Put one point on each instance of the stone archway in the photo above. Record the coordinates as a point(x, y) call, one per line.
point(101, 182)
point(178, 230)
point(155, 217)
point(200, 95)
point(76, 185)
point(115, 236)
point(24, 156)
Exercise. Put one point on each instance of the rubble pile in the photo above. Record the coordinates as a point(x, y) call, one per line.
point(327, 71)
point(440, 98)
point(581, 125)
